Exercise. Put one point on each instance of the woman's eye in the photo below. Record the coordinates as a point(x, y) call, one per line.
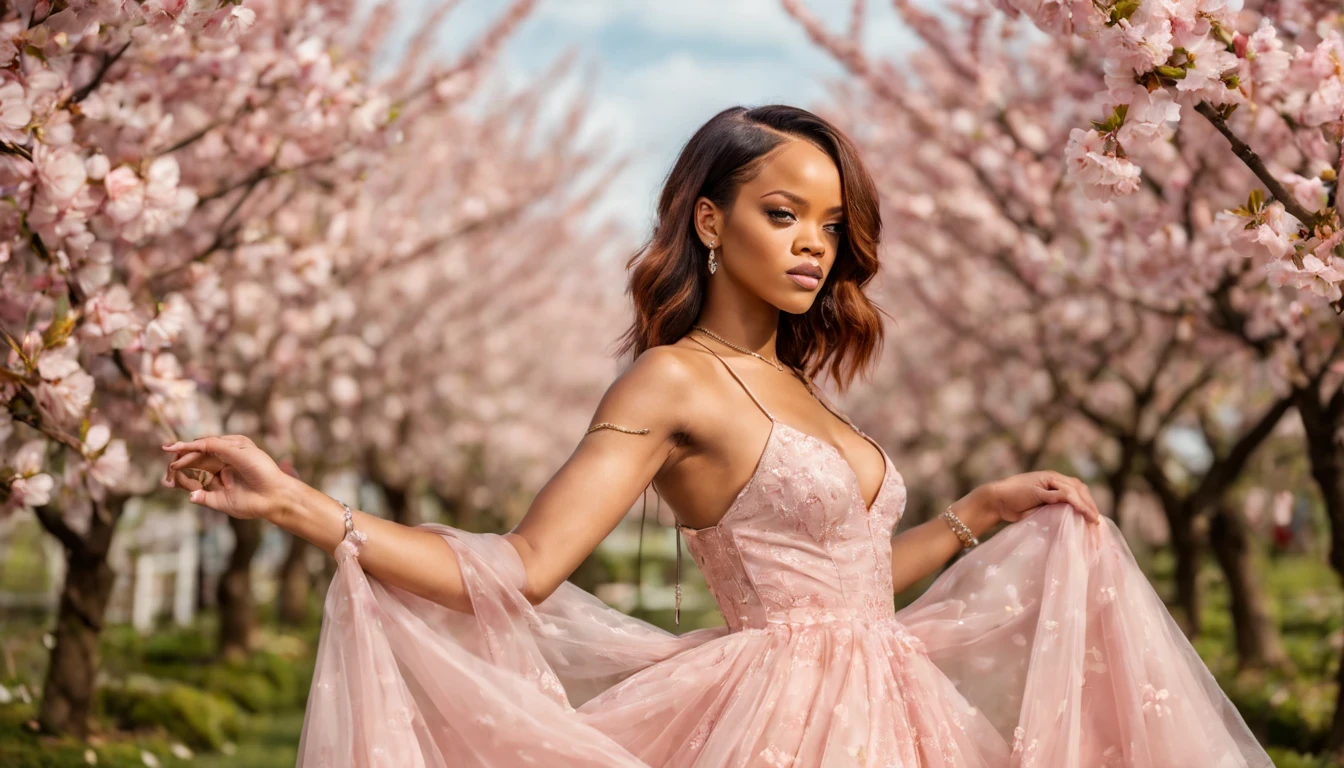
point(779, 214)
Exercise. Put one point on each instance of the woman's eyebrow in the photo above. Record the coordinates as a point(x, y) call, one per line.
point(799, 200)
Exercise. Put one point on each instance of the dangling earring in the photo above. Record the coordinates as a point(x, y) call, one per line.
point(713, 265)
point(827, 309)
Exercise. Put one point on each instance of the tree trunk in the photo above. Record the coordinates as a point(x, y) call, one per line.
point(67, 693)
point(1118, 480)
point(295, 583)
point(1185, 546)
point(1258, 642)
point(237, 614)
point(402, 506)
point(1321, 422)
point(202, 591)
point(453, 506)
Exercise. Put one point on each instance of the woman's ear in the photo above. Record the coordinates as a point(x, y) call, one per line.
point(707, 221)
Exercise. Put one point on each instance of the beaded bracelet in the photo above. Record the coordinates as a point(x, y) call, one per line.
point(349, 517)
point(968, 539)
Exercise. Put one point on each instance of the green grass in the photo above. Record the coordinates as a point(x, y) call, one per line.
point(271, 742)
point(167, 689)
point(1287, 709)
point(23, 567)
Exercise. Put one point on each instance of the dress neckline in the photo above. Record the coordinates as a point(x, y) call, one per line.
point(775, 424)
point(811, 390)
point(886, 471)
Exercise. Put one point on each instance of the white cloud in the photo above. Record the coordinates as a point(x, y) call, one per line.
point(666, 68)
point(657, 107)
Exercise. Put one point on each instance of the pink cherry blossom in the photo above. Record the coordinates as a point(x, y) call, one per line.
point(112, 465)
point(56, 362)
point(125, 194)
point(1102, 174)
point(32, 491)
point(111, 315)
point(67, 398)
point(172, 321)
point(98, 437)
point(15, 113)
point(1265, 61)
point(30, 458)
point(60, 171)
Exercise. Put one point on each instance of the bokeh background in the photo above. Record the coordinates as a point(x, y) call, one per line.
point(388, 242)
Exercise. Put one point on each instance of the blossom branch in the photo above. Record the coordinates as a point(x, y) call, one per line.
point(1257, 166)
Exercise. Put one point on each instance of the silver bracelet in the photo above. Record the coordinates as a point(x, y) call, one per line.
point(349, 517)
point(354, 537)
point(968, 539)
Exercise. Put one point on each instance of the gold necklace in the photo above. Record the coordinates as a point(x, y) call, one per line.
point(718, 338)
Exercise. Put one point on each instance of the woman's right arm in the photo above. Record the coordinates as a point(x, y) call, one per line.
point(576, 509)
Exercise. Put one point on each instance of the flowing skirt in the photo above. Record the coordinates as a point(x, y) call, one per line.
point(1045, 646)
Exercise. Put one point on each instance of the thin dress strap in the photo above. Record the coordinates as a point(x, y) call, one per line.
point(826, 403)
point(735, 376)
point(676, 613)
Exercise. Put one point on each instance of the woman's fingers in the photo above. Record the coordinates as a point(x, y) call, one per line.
point(223, 445)
point(197, 460)
point(179, 479)
point(1089, 506)
point(1069, 495)
point(1079, 496)
point(1055, 495)
point(1085, 507)
point(212, 499)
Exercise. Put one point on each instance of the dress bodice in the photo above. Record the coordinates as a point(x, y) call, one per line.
point(798, 544)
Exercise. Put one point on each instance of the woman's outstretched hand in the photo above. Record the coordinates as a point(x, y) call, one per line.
point(1013, 498)
point(243, 481)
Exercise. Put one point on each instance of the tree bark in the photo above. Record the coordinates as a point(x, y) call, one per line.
point(1258, 642)
point(295, 583)
point(402, 506)
point(1183, 507)
point(1185, 546)
point(237, 613)
point(67, 693)
point(453, 506)
point(1321, 421)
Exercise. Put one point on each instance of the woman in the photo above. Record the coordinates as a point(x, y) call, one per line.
point(1044, 646)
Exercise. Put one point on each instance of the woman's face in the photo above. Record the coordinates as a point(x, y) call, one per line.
point(789, 216)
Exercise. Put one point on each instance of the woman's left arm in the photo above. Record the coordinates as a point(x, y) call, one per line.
point(923, 549)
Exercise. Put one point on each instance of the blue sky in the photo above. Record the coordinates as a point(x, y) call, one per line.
point(664, 68)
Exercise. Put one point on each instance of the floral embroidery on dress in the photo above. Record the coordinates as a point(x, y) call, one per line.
point(776, 758)
point(1026, 753)
point(1153, 698)
point(1093, 661)
point(1014, 606)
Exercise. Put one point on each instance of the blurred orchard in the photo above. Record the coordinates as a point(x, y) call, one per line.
point(1113, 248)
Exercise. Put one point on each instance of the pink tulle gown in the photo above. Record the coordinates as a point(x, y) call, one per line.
point(1045, 646)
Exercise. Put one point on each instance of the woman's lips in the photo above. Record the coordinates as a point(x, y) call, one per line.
point(807, 281)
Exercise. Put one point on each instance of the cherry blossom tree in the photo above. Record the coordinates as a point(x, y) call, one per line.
point(1116, 302)
point(1050, 311)
point(1163, 59)
point(178, 174)
point(90, 380)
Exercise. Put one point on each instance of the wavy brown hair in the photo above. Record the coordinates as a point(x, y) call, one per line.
point(669, 273)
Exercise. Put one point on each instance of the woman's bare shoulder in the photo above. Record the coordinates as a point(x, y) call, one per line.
point(664, 386)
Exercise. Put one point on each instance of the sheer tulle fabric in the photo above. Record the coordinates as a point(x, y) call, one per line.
point(1046, 646)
